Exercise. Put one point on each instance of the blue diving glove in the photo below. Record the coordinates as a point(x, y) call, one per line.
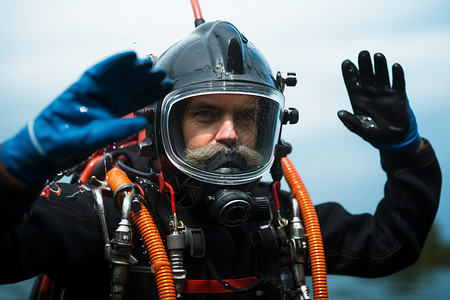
point(86, 117)
point(382, 115)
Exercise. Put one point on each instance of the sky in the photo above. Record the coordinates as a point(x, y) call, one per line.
point(46, 45)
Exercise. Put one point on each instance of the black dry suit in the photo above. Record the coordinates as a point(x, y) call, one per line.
point(57, 232)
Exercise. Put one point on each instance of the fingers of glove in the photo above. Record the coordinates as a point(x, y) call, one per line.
point(142, 79)
point(87, 94)
point(381, 70)
point(398, 78)
point(365, 68)
point(129, 80)
point(122, 104)
point(75, 107)
point(351, 76)
point(62, 148)
point(113, 67)
point(154, 94)
point(351, 122)
point(104, 133)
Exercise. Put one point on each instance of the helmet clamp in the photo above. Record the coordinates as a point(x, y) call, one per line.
point(289, 80)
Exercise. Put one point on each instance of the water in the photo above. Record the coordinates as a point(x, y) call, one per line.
point(426, 283)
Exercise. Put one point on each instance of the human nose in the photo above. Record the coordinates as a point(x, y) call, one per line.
point(227, 132)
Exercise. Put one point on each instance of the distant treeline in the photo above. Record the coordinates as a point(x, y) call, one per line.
point(435, 251)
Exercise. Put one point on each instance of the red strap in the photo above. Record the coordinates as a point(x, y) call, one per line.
point(206, 286)
point(44, 288)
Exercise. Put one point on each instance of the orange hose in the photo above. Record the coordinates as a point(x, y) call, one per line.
point(152, 240)
point(116, 178)
point(315, 243)
point(157, 253)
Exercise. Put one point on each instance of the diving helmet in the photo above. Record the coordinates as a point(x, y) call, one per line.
point(216, 73)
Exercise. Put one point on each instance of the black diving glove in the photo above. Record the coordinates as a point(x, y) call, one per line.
point(381, 112)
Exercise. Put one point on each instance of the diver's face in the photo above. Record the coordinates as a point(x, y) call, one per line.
point(226, 119)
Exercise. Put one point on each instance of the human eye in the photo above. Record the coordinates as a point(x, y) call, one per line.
point(246, 116)
point(205, 115)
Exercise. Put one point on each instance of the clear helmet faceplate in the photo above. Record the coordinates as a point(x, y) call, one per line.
point(223, 132)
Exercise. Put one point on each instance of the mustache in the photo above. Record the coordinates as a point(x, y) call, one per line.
point(198, 157)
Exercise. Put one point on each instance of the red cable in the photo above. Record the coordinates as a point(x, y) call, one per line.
point(86, 174)
point(44, 288)
point(172, 197)
point(275, 188)
point(196, 8)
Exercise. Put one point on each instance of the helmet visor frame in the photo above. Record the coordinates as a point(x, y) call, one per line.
point(266, 143)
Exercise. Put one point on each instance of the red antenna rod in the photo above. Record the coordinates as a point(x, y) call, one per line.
point(197, 13)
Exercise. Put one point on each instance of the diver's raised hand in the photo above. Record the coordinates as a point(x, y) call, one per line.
point(381, 112)
point(86, 117)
